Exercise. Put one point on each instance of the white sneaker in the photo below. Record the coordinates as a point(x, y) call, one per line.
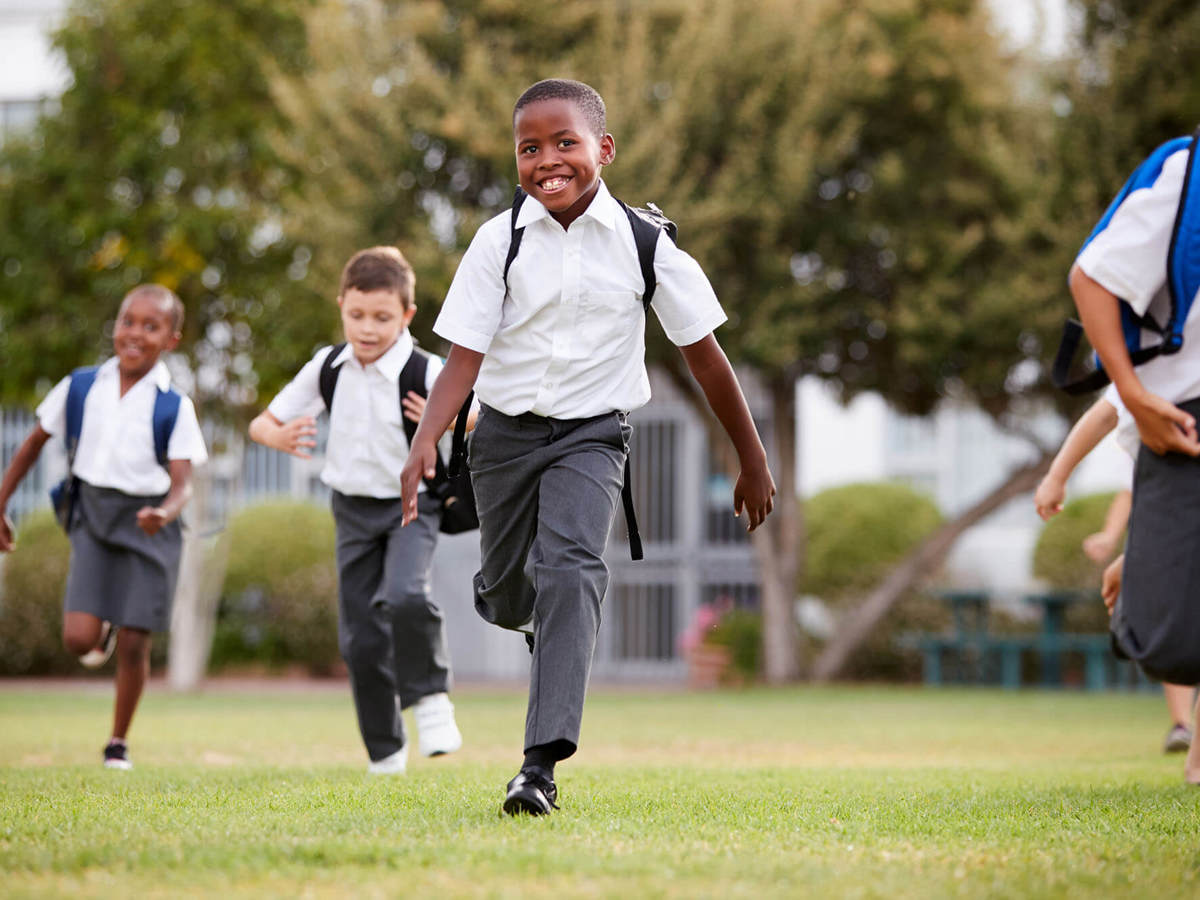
point(437, 732)
point(390, 765)
point(98, 655)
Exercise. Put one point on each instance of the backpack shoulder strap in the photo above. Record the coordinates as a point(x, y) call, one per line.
point(514, 243)
point(412, 378)
point(166, 412)
point(82, 380)
point(327, 380)
point(647, 223)
point(1183, 261)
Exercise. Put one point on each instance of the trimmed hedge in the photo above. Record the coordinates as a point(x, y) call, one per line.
point(279, 601)
point(856, 533)
point(31, 601)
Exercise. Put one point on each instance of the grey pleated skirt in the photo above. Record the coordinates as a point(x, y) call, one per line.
point(118, 572)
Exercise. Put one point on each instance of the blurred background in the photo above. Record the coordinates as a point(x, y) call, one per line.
point(886, 195)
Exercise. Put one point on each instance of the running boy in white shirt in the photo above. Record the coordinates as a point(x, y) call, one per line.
point(125, 537)
point(390, 629)
point(554, 342)
point(1128, 260)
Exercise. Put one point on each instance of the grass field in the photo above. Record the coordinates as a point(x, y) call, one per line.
point(842, 792)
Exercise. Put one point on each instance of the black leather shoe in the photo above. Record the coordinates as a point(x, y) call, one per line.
point(533, 791)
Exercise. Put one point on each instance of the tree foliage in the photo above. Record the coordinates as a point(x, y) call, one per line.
point(160, 164)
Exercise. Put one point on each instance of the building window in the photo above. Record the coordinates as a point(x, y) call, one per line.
point(644, 621)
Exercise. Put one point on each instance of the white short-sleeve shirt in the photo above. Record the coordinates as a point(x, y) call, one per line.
point(116, 438)
point(1129, 259)
point(367, 446)
point(567, 339)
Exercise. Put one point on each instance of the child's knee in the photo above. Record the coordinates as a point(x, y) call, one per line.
point(133, 647)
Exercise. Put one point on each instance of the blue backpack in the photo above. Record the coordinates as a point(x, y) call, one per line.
point(166, 410)
point(1183, 275)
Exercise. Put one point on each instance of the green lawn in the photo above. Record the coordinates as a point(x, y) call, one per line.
point(843, 792)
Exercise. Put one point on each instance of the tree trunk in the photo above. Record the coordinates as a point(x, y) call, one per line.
point(776, 543)
point(920, 563)
point(201, 573)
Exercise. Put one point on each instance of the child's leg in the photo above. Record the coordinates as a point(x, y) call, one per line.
point(1179, 703)
point(81, 632)
point(364, 626)
point(133, 668)
point(422, 661)
point(577, 501)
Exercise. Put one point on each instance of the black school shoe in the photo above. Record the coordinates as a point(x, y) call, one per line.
point(533, 791)
point(116, 756)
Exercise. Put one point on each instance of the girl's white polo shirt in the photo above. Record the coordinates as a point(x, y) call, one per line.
point(1129, 259)
point(567, 340)
point(116, 440)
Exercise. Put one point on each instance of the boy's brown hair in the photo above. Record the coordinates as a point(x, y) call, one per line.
point(379, 269)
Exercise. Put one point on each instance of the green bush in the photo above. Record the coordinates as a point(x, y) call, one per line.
point(279, 601)
point(856, 533)
point(31, 600)
point(740, 630)
point(1059, 560)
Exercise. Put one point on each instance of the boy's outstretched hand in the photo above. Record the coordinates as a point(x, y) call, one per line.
point(421, 463)
point(753, 492)
point(1049, 496)
point(414, 406)
point(1110, 587)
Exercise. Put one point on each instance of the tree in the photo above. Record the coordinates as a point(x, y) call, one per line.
point(160, 164)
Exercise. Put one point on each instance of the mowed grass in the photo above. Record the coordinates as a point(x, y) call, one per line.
point(836, 792)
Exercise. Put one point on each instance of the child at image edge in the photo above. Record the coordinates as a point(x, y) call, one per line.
point(556, 353)
point(1162, 396)
point(124, 533)
point(390, 630)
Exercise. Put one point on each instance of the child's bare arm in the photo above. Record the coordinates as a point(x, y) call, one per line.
point(296, 437)
point(446, 398)
point(1162, 425)
point(23, 460)
point(1103, 544)
point(151, 518)
point(755, 487)
point(1093, 425)
point(1110, 588)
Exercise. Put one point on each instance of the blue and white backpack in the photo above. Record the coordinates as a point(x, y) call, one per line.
point(1183, 275)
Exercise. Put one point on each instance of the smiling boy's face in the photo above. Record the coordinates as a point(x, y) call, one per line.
point(559, 156)
point(145, 329)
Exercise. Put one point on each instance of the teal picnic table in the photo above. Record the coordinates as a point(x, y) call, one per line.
point(1054, 642)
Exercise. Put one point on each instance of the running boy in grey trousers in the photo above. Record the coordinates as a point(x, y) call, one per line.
point(554, 345)
point(390, 629)
point(123, 525)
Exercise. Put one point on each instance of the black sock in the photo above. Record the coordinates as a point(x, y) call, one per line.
point(545, 756)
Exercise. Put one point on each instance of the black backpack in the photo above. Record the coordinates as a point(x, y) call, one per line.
point(646, 223)
point(451, 483)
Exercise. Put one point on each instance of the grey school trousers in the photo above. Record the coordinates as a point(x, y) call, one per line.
point(547, 490)
point(390, 631)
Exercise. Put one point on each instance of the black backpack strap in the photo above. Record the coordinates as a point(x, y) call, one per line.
point(327, 380)
point(1068, 347)
point(514, 243)
point(646, 224)
point(412, 378)
point(631, 525)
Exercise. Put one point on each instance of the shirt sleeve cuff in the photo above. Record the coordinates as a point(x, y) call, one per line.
point(697, 331)
point(456, 333)
point(1097, 268)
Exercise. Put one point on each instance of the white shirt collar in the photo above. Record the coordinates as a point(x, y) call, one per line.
point(603, 209)
point(392, 361)
point(159, 375)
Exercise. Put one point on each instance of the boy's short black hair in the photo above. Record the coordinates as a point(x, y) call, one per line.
point(163, 295)
point(379, 269)
point(584, 96)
